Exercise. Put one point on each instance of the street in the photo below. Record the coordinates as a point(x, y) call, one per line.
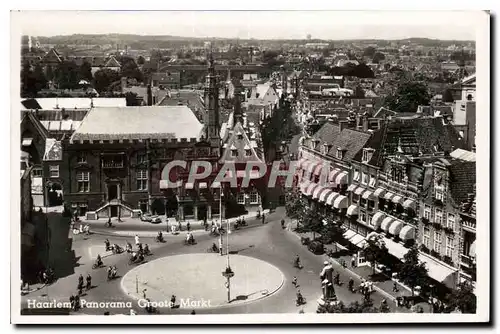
point(268, 242)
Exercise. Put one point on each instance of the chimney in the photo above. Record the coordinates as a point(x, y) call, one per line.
point(123, 83)
point(150, 96)
point(343, 125)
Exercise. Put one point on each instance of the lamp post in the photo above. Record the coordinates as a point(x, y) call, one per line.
point(220, 219)
point(431, 286)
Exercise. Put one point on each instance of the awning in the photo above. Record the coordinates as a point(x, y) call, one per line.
point(301, 162)
point(333, 175)
point(330, 200)
point(398, 199)
point(410, 204)
point(306, 164)
point(439, 271)
point(377, 219)
point(342, 178)
point(351, 187)
point(396, 227)
point(362, 243)
point(359, 190)
point(386, 223)
point(324, 195)
point(303, 185)
point(407, 233)
point(202, 185)
point(216, 184)
point(353, 210)
point(349, 234)
point(394, 248)
point(243, 173)
point(27, 141)
point(164, 185)
point(317, 191)
point(356, 239)
point(312, 166)
point(317, 169)
point(189, 185)
point(472, 249)
point(368, 195)
point(310, 188)
point(340, 202)
point(388, 196)
point(379, 192)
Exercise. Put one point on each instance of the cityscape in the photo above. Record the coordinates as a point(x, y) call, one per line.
point(168, 175)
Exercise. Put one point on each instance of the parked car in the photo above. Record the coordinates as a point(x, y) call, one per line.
point(316, 247)
point(155, 219)
point(146, 217)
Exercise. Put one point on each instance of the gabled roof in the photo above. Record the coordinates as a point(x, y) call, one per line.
point(351, 141)
point(238, 141)
point(52, 56)
point(29, 116)
point(135, 123)
point(53, 150)
point(112, 62)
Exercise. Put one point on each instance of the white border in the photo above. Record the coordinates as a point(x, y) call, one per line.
point(480, 20)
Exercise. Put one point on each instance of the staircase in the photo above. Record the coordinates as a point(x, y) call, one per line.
point(103, 212)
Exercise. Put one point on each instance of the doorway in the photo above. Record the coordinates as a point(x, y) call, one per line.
point(112, 192)
point(114, 211)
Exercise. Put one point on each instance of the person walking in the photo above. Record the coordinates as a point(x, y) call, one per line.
point(353, 261)
point(137, 240)
point(188, 226)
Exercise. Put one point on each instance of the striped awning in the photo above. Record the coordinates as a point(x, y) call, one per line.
point(398, 199)
point(407, 233)
point(352, 187)
point(410, 204)
point(202, 185)
point(333, 174)
point(368, 195)
point(377, 219)
point(312, 166)
point(386, 223)
point(303, 186)
point(396, 227)
point(317, 169)
point(310, 188)
point(353, 210)
point(379, 192)
point(342, 178)
point(324, 195)
point(388, 196)
point(301, 162)
point(394, 248)
point(340, 202)
point(317, 191)
point(331, 198)
point(359, 190)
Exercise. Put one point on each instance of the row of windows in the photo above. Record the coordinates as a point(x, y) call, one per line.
point(83, 180)
point(439, 216)
point(253, 197)
point(364, 178)
point(450, 246)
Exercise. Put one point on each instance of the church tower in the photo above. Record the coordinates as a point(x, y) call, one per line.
point(237, 113)
point(212, 105)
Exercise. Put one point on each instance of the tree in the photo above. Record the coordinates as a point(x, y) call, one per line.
point(131, 99)
point(463, 298)
point(28, 87)
point(129, 69)
point(412, 272)
point(377, 57)
point(39, 77)
point(141, 60)
point(66, 75)
point(375, 250)
point(369, 52)
point(408, 97)
point(49, 73)
point(387, 66)
point(332, 230)
point(312, 221)
point(360, 71)
point(295, 205)
point(104, 78)
point(85, 72)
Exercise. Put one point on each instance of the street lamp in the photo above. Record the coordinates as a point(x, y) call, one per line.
point(431, 286)
point(220, 219)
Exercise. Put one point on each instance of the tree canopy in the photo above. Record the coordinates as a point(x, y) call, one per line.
point(104, 78)
point(377, 57)
point(463, 298)
point(413, 272)
point(32, 81)
point(409, 95)
point(369, 52)
point(375, 250)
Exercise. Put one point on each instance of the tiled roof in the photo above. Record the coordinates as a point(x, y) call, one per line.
point(463, 155)
point(351, 141)
point(112, 62)
point(238, 140)
point(462, 180)
point(52, 56)
point(139, 123)
point(48, 103)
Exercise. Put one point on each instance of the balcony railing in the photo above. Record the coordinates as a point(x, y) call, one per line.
point(466, 261)
point(470, 225)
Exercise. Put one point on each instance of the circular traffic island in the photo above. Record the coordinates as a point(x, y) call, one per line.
point(200, 281)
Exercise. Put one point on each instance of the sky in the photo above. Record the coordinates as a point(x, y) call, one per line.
point(334, 25)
